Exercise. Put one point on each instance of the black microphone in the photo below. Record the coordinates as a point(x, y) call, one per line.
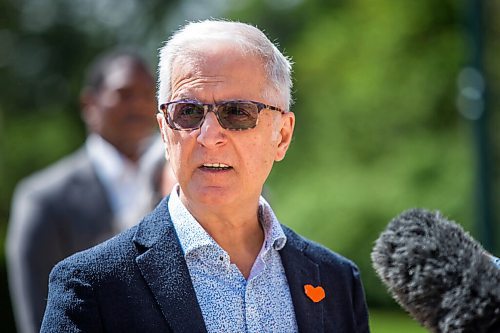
point(439, 273)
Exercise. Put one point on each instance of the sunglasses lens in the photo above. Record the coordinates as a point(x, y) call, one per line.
point(238, 115)
point(186, 115)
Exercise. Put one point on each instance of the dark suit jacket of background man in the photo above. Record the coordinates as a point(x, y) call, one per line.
point(139, 282)
point(61, 210)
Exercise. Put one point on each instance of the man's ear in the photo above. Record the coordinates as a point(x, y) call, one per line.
point(87, 101)
point(162, 124)
point(286, 133)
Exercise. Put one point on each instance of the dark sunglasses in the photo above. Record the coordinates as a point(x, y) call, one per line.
point(232, 115)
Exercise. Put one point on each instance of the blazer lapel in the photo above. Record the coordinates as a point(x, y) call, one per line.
point(165, 271)
point(300, 270)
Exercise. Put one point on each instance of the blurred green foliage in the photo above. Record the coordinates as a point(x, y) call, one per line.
point(374, 82)
point(393, 322)
point(492, 65)
point(377, 127)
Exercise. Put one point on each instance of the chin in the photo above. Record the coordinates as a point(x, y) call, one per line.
point(212, 195)
point(215, 196)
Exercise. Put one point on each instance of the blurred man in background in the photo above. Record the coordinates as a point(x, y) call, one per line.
point(101, 189)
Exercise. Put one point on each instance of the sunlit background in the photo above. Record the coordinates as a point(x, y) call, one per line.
point(396, 105)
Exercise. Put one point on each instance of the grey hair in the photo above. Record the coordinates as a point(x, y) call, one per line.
point(248, 38)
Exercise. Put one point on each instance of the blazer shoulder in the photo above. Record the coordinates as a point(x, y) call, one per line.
point(112, 256)
point(57, 175)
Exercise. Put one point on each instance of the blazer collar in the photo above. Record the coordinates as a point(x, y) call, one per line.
point(162, 265)
point(299, 271)
point(164, 269)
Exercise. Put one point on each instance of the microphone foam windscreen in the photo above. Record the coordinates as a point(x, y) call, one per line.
point(438, 273)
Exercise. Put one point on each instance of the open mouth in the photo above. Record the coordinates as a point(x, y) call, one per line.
point(216, 166)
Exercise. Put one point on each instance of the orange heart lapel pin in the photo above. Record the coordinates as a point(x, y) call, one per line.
point(316, 294)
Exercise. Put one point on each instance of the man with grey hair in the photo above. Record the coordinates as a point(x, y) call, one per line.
point(212, 257)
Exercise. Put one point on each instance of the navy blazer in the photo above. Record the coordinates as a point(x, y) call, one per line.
point(138, 281)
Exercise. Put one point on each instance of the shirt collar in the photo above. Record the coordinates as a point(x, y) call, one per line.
point(274, 235)
point(112, 165)
point(192, 236)
point(108, 162)
point(190, 233)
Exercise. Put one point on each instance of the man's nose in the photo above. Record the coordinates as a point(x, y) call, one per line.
point(211, 132)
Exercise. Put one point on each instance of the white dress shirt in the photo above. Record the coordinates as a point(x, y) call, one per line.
point(129, 186)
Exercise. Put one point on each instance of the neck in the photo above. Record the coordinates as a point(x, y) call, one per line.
point(133, 151)
point(130, 153)
point(240, 234)
point(132, 157)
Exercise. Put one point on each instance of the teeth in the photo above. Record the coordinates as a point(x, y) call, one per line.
point(216, 165)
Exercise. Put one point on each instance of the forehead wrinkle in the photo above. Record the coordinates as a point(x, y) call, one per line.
point(185, 86)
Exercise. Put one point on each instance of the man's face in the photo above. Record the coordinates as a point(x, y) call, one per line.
point(121, 110)
point(221, 74)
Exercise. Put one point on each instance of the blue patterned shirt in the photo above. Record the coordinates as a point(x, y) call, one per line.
point(228, 301)
point(496, 261)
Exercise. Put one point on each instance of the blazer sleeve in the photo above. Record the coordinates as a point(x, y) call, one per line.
point(72, 305)
point(359, 302)
point(31, 252)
